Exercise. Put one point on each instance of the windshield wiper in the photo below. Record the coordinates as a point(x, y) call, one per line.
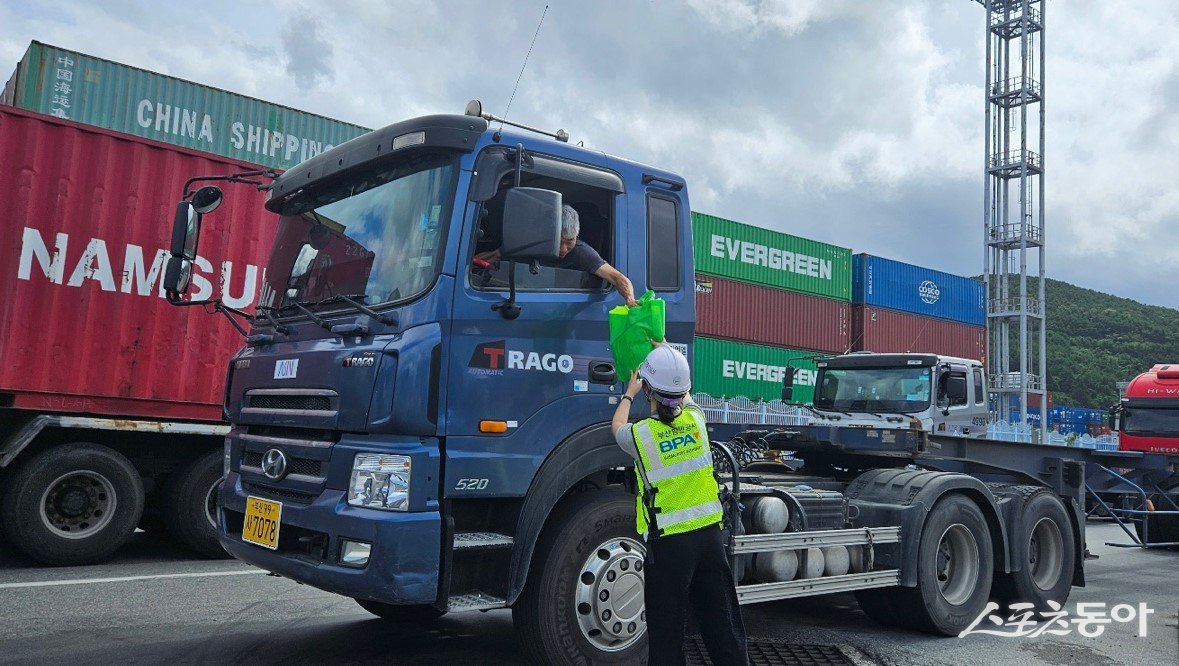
point(314, 317)
point(278, 328)
point(360, 306)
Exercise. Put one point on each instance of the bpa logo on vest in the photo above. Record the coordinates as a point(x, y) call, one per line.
point(669, 445)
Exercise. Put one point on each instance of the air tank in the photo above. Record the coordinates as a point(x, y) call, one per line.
point(836, 560)
point(815, 564)
point(768, 515)
point(774, 567)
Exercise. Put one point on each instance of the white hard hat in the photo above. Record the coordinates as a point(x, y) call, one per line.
point(666, 371)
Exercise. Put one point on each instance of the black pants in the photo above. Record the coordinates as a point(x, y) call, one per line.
point(692, 568)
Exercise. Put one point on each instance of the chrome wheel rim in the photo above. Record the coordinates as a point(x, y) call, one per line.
point(610, 595)
point(1044, 553)
point(79, 504)
point(957, 564)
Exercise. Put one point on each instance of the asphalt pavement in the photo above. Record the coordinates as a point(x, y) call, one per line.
point(154, 603)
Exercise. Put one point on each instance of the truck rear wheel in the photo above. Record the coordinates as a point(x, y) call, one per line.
point(583, 603)
point(71, 504)
point(1047, 552)
point(954, 562)
point(401, 614)
point(190, 505)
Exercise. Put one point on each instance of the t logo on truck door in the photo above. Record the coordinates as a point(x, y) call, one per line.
point(274, 464)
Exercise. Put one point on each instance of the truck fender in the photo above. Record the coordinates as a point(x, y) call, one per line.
point(905, 497)
point(1011, 499)
point(585, 453)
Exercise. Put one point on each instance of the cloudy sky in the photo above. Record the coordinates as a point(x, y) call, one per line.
point(856, 122)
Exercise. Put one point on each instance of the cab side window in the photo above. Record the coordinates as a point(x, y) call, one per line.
point(595, 211)
point(663, 243)
point(979, 394)
point(955, 389)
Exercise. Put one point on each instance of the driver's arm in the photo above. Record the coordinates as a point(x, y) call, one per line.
point(620, 282)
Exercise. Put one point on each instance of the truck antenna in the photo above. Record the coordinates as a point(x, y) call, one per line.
point(526, 56)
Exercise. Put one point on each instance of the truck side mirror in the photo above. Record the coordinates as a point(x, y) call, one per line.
point(206, 199)
point(788, 384)
point(186, 230)
point(532, 225)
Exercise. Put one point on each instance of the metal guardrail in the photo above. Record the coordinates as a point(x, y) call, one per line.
point(743, 411)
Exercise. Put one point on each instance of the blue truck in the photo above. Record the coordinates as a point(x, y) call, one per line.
point(425, 431)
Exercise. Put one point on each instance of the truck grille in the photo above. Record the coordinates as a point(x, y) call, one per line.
point(291, 402)
point(284, 494)
point(304, 466)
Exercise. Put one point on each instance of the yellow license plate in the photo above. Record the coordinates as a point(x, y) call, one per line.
point(262, 522)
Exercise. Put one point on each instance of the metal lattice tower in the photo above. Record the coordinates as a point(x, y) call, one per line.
point(1013, 206)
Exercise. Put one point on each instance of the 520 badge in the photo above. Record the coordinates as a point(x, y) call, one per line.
point(471, 484)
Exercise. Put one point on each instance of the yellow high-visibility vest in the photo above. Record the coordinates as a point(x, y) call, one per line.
point(675, 475)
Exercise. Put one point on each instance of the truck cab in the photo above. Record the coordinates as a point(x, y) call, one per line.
point(933, 393)
point(425, 430)
point(1147, 417)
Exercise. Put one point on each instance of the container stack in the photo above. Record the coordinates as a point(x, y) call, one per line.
point(765, 300)
point(107, 94)
point(1078, 421)
point(899, 307)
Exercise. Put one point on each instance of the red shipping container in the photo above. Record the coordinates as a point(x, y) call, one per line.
point(84, 326)
point(751, 313)
point(880, 330)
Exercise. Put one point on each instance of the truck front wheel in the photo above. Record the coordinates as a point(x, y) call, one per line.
point(71, 504)
point(954, 563)
point(583, 603)
point(190, 504)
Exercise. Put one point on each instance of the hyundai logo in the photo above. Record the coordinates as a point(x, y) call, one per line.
point(274, 464)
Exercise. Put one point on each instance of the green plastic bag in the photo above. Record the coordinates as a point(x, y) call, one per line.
point(633, 329)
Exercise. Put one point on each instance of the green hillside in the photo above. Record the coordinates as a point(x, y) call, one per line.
point(1096, 339)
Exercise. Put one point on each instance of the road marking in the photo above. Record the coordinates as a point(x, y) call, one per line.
point(124, 579)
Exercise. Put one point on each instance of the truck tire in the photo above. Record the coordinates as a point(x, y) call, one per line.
point(72, 504)
point(583, 602)
point(190, 505)
point(1045, 547)
point(401, 614)
point(954, 570)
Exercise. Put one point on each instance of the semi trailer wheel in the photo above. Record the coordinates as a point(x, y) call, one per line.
point(190, 504)
point(71, 504)
point(1045, 548)
point(583, 602)
point(401, 614)
point(954, 563)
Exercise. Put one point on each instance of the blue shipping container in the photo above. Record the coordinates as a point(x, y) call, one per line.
point(896, 285)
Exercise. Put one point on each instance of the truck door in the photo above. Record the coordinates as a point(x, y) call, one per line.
point(954, 397)
point(547, 373)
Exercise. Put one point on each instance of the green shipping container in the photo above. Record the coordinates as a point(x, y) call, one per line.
point(126, 99)
point(725, 368)
point(752, 254)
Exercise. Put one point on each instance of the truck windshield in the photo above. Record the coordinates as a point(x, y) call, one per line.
point(1151, 421)
point(903, 390)
point(376, 238)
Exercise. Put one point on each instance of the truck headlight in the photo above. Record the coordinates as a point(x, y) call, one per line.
point(380, 481)
point(225, 462)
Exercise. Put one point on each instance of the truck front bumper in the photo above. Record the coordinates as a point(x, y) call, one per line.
point(403, 564)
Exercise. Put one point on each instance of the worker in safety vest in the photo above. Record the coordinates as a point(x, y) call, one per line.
point(679, 512)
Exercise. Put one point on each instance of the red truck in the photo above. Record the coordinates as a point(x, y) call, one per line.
point(1147, 418)
point(110, 398)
